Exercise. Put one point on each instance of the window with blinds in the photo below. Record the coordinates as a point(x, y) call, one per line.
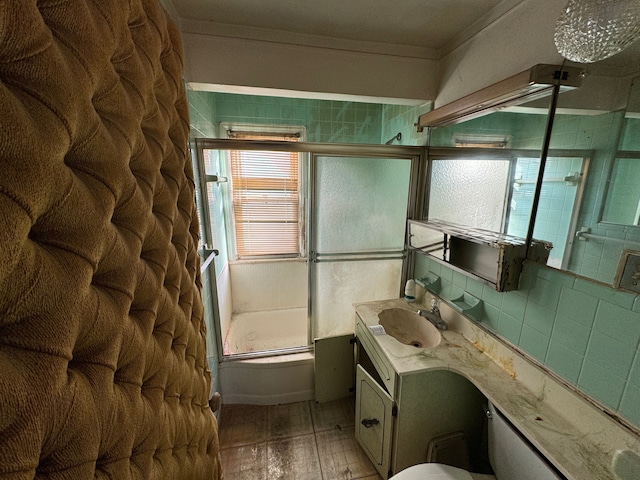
point(266, 199)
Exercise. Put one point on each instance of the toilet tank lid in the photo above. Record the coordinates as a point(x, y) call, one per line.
point(432, 471)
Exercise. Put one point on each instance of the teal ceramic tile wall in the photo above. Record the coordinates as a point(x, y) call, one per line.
point(522, 131)
point(623, 195)
point(594, 258)
point(326, 121)
point(586, 332)
point(200, 114)
point(400, 119)
point(631, 135)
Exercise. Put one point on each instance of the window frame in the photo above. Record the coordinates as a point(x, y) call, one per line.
point(227, 130)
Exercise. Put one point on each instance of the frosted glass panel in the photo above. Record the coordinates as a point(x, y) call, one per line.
point(361, 204)
point(341, 284)
point(469, 192)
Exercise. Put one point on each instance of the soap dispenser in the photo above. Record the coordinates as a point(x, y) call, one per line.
point(410, 291)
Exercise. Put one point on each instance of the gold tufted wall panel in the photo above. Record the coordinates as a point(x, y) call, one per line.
point(103, 368)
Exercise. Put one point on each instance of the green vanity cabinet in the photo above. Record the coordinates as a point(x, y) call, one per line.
point(374, 420)
point(398, 415)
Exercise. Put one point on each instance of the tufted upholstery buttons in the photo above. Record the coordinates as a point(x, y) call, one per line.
point(102, 342)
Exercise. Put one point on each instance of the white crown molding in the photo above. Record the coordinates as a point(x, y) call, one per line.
point(277, 92)
point(318, 41)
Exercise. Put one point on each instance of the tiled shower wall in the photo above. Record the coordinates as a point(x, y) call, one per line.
point(201, 114)
point(325, 121)
point(400, 119)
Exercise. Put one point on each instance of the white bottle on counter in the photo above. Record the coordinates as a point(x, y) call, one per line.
point(410, 291)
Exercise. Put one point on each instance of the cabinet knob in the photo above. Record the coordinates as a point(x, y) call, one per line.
point(370, 422)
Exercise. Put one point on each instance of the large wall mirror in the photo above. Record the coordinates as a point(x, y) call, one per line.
point(622, 202)
point(484, 171)
point(603, 117)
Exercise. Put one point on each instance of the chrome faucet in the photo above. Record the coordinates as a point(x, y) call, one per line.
point(433, 316)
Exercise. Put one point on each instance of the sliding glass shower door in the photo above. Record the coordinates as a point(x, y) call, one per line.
point(354, 199)
point(358, 219)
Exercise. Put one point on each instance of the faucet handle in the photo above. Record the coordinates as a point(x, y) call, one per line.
point(434, 305)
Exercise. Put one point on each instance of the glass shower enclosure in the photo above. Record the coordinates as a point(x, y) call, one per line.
point(356, 199)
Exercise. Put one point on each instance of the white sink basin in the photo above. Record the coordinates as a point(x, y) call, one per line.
point(409, 328)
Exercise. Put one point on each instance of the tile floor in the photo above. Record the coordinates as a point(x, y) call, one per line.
point(297, 441)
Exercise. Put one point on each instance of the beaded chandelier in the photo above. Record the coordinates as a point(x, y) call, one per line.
point(592, 30)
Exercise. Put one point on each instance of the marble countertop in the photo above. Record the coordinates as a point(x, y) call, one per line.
point(572, 433)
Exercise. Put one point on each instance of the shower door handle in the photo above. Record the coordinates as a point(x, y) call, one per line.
point(370, 422)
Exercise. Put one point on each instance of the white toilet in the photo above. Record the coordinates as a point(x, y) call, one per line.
point(511, 457)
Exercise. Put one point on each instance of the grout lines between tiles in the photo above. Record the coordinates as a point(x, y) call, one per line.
point(297, 441)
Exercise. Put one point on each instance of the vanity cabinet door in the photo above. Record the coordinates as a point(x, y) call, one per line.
point(374, 420)
point(381, 364)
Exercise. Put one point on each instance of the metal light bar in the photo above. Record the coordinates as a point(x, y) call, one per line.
point(235, 134)
point(316, 257)
point(530, 85)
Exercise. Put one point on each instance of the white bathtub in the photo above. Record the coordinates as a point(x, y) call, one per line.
point(269, 380)
point(266, 330)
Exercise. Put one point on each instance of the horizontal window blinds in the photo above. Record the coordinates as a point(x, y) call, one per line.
point(266, 200)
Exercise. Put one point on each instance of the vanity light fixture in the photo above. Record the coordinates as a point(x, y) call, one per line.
point(588, 31)
point(526, 86)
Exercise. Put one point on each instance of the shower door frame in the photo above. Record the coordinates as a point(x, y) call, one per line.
point(416, 154)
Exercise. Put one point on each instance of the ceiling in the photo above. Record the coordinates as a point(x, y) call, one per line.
point(416, 28)
point(431, 24)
